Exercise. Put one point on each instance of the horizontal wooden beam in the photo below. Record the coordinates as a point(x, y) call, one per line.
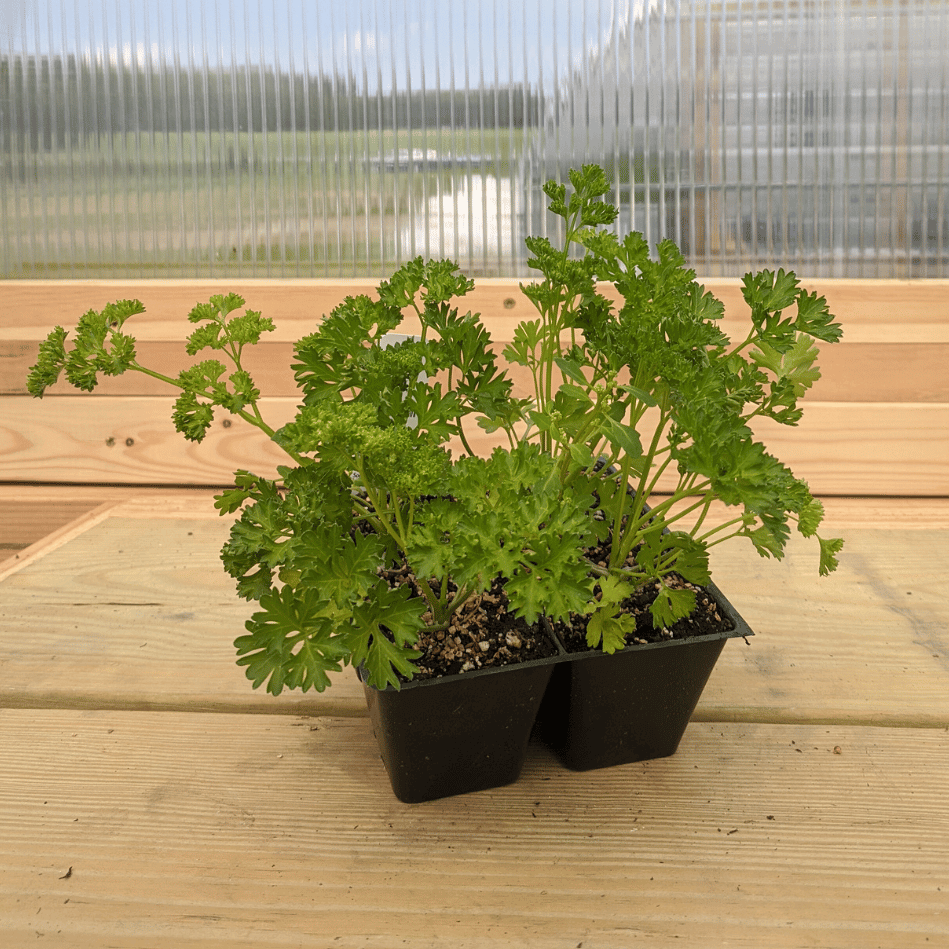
point(851, 372)
point(839, 448)
point(871, 311)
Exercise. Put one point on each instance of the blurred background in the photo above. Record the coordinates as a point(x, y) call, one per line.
point(310, 138)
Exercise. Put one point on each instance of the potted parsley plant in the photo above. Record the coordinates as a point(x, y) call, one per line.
point(472, 592)
point(641, 397)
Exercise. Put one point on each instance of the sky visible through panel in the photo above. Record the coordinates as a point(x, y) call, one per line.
point(382, 44)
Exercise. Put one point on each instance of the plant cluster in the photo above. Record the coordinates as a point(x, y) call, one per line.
point(653, 385)
point(622, 394)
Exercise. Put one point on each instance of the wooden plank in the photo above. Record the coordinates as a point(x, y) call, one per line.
point(882, 448)
point(133, 613)
point(129, 441)
point(839, 448)
point(22, 525)
point(32, 516)
point(182, 830)
point(269, 364)
point(902, 514)
point(872, 311)
point(136, 612)
point(868, 644)
point(895, 346)
point(55, 538)
point(851, 372)
point(882, 372)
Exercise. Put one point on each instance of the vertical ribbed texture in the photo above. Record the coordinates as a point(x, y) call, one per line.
point(227, 137)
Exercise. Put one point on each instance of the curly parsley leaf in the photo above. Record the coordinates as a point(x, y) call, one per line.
point(98, 346)
point(49, 364)
point(192, 417)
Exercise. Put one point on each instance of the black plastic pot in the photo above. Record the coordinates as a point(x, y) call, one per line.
point(460, 733)
point(602, 710)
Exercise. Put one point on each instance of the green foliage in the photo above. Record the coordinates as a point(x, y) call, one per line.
point(98, 346)
point(654, 388)
point(623, 395)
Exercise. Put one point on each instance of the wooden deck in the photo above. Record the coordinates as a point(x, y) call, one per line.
point(151, 799)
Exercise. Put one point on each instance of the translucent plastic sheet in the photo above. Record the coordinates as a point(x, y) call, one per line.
point(314, 138)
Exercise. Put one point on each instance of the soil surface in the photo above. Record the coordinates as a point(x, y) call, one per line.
point(707, 618)
point(483, 634)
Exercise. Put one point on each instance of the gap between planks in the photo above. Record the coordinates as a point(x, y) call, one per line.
point(327, 709)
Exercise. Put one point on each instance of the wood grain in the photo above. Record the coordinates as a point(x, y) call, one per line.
point(22, 524)
point(129, 441)
point(851, 372)
point(184, 830)
point(890, 311)
point(877, 422)
point(839, 447)
point(55, 538)
point(794, 815)
point(135, 612)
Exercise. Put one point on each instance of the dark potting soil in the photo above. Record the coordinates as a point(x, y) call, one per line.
point(706, 619)
point(483, 634)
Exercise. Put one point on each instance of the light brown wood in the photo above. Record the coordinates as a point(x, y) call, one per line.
point(876, 423)
point(133, 610)
point(151, 800)
point(899, 513)
point(891, 311)
point(129, 441)
point(129, 612)
point(184, 830)
point(56, 538)
point(839, 448)
point(868, 644)
point(22, 525)
point(269, 364)
point(851, 372)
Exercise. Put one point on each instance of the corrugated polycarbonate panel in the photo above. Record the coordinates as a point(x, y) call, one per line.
point(313, 138)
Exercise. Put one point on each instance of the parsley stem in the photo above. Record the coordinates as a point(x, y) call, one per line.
point(714, 530)
point(464, 440)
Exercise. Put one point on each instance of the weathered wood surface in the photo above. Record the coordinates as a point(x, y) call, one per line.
point(133, 611)
point(150, 799)
point(185, 830)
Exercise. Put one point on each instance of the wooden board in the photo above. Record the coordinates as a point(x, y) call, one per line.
point(134, 611)
point(136, 614)
point(838, 447)
point(184, 830)
point(21, 526)
point(887, 311)
point(851, 372)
